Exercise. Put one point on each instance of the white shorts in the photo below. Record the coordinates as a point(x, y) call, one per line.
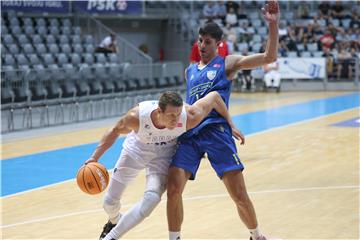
point(129, 165)
point(272, 79)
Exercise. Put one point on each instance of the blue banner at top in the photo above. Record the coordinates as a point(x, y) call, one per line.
point(108, 6)
point(36, 6)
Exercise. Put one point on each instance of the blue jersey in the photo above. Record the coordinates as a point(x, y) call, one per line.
point(200, 82)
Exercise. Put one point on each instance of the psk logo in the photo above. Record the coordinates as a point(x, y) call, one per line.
point(147, 126)
point(211, 74)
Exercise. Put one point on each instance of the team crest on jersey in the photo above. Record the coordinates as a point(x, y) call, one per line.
point(211, 74)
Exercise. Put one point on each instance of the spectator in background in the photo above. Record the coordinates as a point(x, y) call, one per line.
point(209, 11)
point(355, 36)
point(324, 9)
point(246, 32)
point(344, 66)
point(108, 45)
point(144, 48)
point(283, 49)
point(354, 23)
point(247, 80)
point(291, 43)
point(231, 18)
point(337, 10)
point(240, 14)
point(329, 60)
point(327, 40)
point(303, 10)
point(232, 4)
point(221, 11)
point(283, 32)
point(232, 43)
point(272, 76)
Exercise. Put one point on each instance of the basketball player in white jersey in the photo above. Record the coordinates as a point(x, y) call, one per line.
point(152, 128)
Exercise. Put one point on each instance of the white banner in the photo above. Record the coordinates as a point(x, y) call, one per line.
point(302, 68)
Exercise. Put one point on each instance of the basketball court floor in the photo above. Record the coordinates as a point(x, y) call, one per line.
point(301, 162)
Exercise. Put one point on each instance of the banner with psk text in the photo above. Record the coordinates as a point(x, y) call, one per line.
point(36, 6)
point(302, 68)
point(108, 7)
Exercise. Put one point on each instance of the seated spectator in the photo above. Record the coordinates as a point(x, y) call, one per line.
point(232, 43)
point(209, 11)
point(232, 4)
point(327, 40)
point(329, 60)
point(240, 14)
point(355, 35)
point(324, 9)
point(303, 10)
point(246, 32)
point(231, 18)
point(291, 42)
point(283, 32)
point(221, 11)
point(247, 80)
point(355, 22)
point(344, 66)
point(283, 49)
point(272, 78)
point(337, 10)
point(107, 45)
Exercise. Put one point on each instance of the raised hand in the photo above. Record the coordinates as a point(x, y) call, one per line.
point(271, 11)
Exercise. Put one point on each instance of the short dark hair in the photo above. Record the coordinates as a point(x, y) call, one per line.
point(211, 29)
point(170, 98)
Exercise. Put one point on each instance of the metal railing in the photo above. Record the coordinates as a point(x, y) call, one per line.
point(27, 112)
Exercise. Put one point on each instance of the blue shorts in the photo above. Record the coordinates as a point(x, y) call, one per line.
point(215, 140)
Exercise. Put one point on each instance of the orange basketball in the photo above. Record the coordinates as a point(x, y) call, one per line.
point(92, 178)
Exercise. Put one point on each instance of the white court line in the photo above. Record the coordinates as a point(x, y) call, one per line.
point(185, 199)
point(248, 135)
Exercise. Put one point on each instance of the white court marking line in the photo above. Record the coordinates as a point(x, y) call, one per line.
point(185, 199)
point(248, 135)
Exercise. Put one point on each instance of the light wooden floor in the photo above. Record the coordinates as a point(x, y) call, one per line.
point(303, 180)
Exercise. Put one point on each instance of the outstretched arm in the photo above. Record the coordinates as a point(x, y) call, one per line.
point(201, 109)
point(125, 125)
point(233, 63)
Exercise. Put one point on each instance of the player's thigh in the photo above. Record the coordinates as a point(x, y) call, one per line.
point(221, 149)
point(127, 168)
point(187, 157)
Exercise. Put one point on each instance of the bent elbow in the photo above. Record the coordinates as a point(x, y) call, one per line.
point(270, 59)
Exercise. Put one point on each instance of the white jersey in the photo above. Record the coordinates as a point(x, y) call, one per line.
point(150, 140)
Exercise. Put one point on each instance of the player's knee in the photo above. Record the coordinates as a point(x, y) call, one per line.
point(149, 203)
point(111, 205)
point(174, 190)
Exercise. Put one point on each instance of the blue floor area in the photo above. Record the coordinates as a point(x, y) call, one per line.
point(32, 171)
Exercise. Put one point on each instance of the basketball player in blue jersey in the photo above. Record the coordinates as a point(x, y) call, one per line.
point(213, 135)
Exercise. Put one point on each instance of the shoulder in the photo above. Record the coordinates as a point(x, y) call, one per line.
point(132, 116)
